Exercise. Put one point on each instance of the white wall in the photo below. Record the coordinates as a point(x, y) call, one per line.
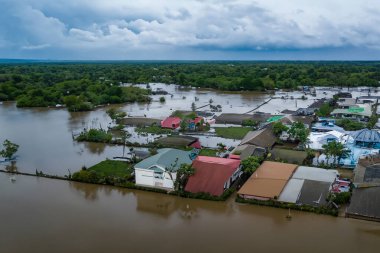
point(145, 177)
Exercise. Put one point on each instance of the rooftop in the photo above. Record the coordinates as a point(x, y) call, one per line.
point(166, 158)
point(262, 138)
point(268, 180)
point(316, 174)
point(365, 203)
point(361, 110)
point(366, 135)
point(211, 173)
point(314, 193)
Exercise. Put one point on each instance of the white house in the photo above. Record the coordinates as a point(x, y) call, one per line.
point(159, 171)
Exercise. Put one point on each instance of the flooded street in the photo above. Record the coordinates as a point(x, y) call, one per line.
point(75, 217)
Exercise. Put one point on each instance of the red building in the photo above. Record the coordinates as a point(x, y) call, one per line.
point(213, 175)
point(171, 122)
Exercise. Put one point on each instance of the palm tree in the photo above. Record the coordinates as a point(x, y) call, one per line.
point(335, 149)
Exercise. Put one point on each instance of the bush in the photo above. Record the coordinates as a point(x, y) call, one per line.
point(95, 135)
point(350, 125)
point(340, 198)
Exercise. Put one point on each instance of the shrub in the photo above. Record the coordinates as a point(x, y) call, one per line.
point(95, 135)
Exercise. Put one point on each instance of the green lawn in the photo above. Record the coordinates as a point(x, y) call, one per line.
point(208, 152)
point(153, 130)
point(113, 168)
point(232, 132)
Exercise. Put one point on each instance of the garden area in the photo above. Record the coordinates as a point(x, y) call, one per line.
point(236, 133)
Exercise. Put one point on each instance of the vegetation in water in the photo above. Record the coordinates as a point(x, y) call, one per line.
point(9, 150)
point(95, 135)
point(46, 84)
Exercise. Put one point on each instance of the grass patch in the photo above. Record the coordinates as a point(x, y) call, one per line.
point(153, 130)
point(208, 152)
point(112, 168)
point(232, 132)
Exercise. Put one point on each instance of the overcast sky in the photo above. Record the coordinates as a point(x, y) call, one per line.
point(190, 29)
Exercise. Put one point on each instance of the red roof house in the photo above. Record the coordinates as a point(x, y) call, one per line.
point(213, 175)
point(171, 122)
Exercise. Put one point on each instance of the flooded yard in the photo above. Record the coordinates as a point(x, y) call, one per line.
point(45, 135)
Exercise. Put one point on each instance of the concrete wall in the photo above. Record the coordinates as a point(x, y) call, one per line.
point(146, 177)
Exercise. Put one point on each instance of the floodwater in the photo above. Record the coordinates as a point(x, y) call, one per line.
point(43, 215)
point(45, 135)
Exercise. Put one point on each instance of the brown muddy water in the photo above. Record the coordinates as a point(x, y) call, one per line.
point(43, 215)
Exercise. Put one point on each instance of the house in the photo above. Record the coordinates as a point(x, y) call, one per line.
point(268, 181)
point(262, 138)
point(247, 150)
point(368, 99)
point(365, 204)
point(326, 126)
point(180, 141)
point(171, 122)
point(159, 171)
point(367, 172)
point(318, 139)
point(367, 138)
point(358, 112)
point(213, 175)
point(309, 186)
point(193, 124)
point(345, 103)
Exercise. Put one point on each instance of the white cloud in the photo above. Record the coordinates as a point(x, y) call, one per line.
point(177, 25)
point(35, 47)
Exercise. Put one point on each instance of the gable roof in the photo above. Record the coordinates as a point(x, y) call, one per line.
point(170, 121)
point(211, 173)
point(262, 138)
point(166, 158)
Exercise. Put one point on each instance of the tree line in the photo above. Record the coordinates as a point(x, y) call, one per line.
point(45, 84)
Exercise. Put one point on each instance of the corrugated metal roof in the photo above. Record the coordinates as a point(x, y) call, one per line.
point(210, 174)
point(291, 191)
point(316, 174)
point(166, 158)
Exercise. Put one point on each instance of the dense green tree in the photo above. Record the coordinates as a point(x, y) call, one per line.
point(250, 164)
point(9, 150)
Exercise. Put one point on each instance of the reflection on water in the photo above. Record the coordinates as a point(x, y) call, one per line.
point(45, 215)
